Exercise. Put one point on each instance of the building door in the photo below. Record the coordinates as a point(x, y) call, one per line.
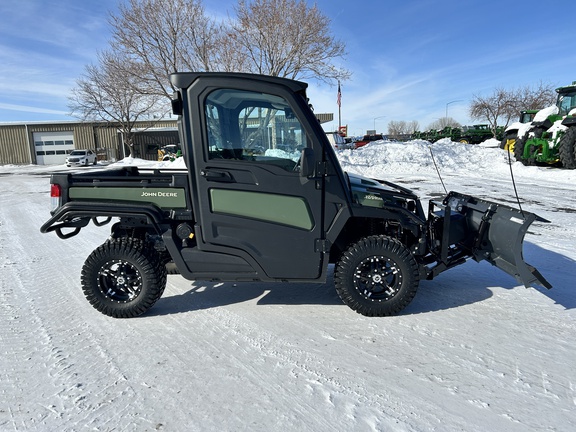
point(53, 147)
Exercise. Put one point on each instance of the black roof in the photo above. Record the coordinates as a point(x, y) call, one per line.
point(183, 80)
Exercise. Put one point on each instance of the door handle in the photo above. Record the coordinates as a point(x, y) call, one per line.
point(217, 176)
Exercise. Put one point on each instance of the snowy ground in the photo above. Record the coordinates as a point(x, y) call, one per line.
point(473, 352)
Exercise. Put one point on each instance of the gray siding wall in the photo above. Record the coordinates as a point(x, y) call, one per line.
point(14, 145)
point(17, 140)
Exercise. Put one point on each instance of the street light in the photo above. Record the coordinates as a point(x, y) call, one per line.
point(376, 118)
point(459, 100)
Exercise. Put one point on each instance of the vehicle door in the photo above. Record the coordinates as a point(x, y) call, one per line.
point(253, 201)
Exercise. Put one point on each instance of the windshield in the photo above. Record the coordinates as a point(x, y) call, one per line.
point(566, 102)
point(527, 117)
point(77, 153)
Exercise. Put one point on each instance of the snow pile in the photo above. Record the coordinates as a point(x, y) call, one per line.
point(543, 114)
point(490, 143)
point(388, 159)
point(295, 155)
point(417, 157)
point(523, 129)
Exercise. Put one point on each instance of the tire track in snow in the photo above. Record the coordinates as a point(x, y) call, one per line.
point(461, 384)
point(479, 373)
point(225, 360)
point(40, 325)
point(286, 375)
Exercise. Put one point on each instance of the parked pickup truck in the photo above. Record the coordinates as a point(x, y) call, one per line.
point(264, 198)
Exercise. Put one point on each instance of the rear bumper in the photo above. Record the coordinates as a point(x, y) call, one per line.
point(75, 215)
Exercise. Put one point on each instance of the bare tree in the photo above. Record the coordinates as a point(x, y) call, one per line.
point(273, 37)
point(443, 122)
point(413, 126)
point(154, 38)
point(396, 128)
point(106, 93)
point(286, 38)
point(504, 105)
point(400, 129)
point(537, 97)
point(165, 36)
point(498, 106)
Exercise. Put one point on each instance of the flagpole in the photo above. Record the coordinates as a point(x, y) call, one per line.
point(339, 107)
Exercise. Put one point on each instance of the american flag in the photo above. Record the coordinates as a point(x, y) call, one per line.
point(339, 96)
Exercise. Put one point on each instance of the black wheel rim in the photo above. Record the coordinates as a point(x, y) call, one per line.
point(378, 278)
point(120, 281)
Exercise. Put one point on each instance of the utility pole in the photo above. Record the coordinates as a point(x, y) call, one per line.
point(376, 118)
point(459, 100)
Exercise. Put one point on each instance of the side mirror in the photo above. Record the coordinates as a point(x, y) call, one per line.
point(307, 163)
point(177, 107)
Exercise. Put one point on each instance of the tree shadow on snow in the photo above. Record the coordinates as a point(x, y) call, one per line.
point(467, 284)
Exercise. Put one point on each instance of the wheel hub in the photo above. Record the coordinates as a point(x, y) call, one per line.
point(378, 278)
point(120, 281)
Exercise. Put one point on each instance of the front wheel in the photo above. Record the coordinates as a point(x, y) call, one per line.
point(377, 276)
point(123, 278)
point(519, 149)
point(567, 149)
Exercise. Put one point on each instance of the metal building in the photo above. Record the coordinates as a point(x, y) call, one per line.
point(47, 143)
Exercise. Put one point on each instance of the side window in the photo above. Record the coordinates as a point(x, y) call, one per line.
point(567, 102)
point(253, 127)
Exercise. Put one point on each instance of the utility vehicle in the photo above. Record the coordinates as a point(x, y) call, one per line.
point(264, 198)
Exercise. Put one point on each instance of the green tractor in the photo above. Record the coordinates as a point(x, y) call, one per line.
point(511, 133)
point(551, 137)
point(434, 135)
point(479, 133)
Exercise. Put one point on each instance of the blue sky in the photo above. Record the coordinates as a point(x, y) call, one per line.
point(410, 60)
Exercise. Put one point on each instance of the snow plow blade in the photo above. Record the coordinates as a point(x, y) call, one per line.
point(495, 233)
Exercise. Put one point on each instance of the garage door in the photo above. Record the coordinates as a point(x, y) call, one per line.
point(52, 147)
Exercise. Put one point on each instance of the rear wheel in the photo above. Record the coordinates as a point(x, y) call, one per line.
point(510, 145)
point(377, 276)
point(567, 148)
point(519, 149)
point(508, 141)
point(123, 278)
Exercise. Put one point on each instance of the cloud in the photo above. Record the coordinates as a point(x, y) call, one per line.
point(27, 108)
